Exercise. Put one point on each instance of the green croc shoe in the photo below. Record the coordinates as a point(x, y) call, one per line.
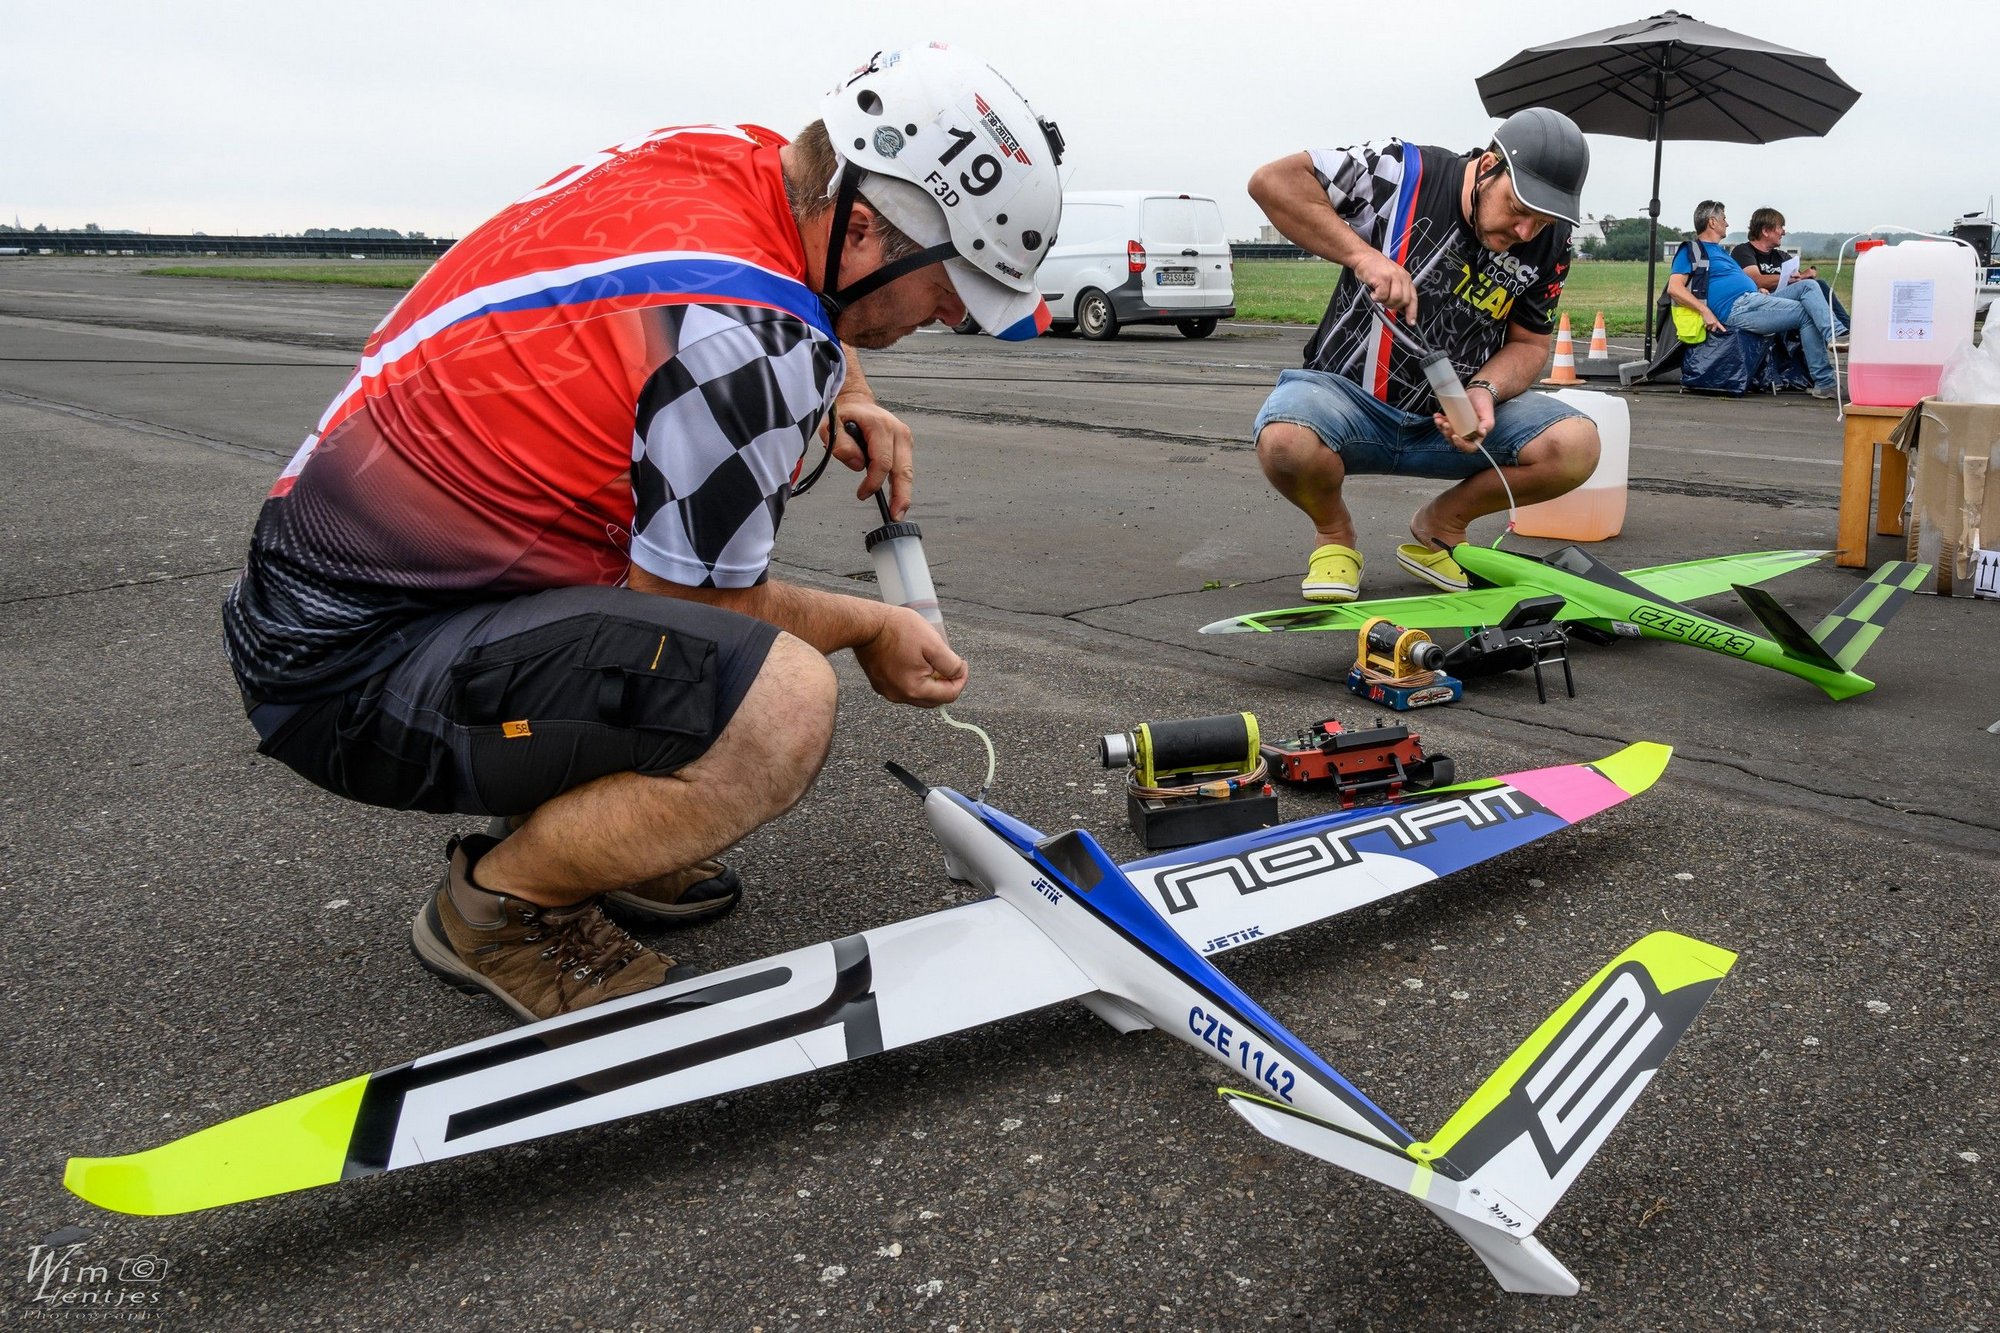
point(1436, 568)
point(1333, 574)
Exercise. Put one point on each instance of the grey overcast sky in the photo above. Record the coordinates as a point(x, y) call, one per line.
point(228, 116)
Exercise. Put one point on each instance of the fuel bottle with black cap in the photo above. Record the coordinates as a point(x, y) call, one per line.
point(902, 574)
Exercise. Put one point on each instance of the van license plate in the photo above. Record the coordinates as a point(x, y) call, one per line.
point(1175, 277)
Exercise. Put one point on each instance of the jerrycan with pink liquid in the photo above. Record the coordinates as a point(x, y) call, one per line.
point(1912, 309)
point(1595, 510)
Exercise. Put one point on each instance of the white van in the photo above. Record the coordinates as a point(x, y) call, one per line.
point(1137, 257)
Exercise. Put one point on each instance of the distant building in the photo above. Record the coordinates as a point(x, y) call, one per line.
point(1590, 229)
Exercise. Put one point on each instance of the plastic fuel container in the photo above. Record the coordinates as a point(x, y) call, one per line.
point(1596, 509)
point(902, 575)
point(1912, 309)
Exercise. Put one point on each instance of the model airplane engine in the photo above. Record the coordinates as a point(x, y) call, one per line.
point(1397, 652)
point(1191, 748)
point(1400, 668)
point(1193, 780)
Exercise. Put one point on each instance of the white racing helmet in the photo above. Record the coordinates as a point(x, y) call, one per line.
point(945, 148)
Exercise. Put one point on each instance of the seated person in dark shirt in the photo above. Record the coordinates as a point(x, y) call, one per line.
point(1764, 261)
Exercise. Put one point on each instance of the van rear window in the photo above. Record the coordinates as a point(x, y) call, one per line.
point(1083, 224)
point(1183, 222)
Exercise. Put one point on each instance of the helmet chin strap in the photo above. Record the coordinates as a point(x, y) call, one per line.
point(833, 298)
point(1479, 180)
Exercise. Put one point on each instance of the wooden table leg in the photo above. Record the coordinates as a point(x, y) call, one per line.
point(1857, 472)
point(1895, 480)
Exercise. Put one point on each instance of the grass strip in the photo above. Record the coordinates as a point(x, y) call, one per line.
point(1268, 291)
point(339, 275)
point(1282, 291)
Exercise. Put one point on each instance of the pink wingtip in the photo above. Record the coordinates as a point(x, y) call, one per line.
point(1571, 792)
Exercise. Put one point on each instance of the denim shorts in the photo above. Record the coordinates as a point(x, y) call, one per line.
point(1372, 437)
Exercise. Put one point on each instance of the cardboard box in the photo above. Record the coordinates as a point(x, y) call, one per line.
point(1955, 500)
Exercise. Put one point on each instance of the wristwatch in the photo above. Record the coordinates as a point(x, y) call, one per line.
point(1488, 386)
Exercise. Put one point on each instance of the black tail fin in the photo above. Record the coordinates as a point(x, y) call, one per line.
point(1789, 633)
point(1838, 642)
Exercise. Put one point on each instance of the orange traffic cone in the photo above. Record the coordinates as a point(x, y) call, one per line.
point(1600, 347)
point(1564, 371)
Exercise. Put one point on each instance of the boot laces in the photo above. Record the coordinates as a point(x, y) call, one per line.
point(583, 942)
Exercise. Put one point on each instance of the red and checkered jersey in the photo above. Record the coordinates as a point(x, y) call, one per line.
point(625, 364)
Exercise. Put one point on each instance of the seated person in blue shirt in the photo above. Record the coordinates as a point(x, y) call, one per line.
point(1735, 304)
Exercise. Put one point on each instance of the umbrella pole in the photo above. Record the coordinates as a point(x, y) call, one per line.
point(1653, 209)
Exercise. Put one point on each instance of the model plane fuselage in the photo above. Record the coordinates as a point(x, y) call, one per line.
point(1607, 601)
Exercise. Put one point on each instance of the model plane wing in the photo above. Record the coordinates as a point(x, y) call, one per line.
point(789, 1014)
point(1691, 579)
point(1680, 582)
point(1445, 610)
point(1223, 894)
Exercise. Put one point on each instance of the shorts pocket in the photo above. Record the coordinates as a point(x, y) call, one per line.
point(563, 704)
point(589, 669)
point(519, 677)
point(653, 679)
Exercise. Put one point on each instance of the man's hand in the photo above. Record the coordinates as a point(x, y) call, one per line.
point(1482, 407)
point(891, 450)
point(908, 661)
point(1390, 282)
point(1712, 321)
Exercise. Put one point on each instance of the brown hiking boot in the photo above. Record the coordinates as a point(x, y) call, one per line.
point(538, 961)
point(702, 892)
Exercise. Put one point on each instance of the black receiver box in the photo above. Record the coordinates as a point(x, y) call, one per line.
point(1182, 821)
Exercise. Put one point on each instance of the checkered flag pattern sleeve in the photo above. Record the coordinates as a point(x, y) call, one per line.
point(1361, 183)
point(719, 430)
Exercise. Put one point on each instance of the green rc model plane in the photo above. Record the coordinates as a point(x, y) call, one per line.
point(1646, 603)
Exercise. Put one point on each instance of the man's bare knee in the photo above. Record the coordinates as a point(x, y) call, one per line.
point(1287, 448)
point(1570, 448)
point(785, 723)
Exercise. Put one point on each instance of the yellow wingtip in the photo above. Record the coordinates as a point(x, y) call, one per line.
point(292, 1145)
point(1637, 766)
point(115, 1183)
point(1676, 960)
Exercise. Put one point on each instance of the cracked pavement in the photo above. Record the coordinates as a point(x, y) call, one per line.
point(196, 933)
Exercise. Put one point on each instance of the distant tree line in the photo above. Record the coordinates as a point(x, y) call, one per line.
point(311, 233)
point(361, 233)
point(88, 226)
point(1625, 238)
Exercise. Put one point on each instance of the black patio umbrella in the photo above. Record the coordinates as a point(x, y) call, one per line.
point(1671, 77)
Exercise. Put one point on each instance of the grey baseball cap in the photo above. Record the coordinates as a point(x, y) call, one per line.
point(1548, 159)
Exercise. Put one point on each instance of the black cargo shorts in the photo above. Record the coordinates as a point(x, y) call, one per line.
point(505, 705)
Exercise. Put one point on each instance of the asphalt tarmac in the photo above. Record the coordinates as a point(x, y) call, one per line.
point(197, 933)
